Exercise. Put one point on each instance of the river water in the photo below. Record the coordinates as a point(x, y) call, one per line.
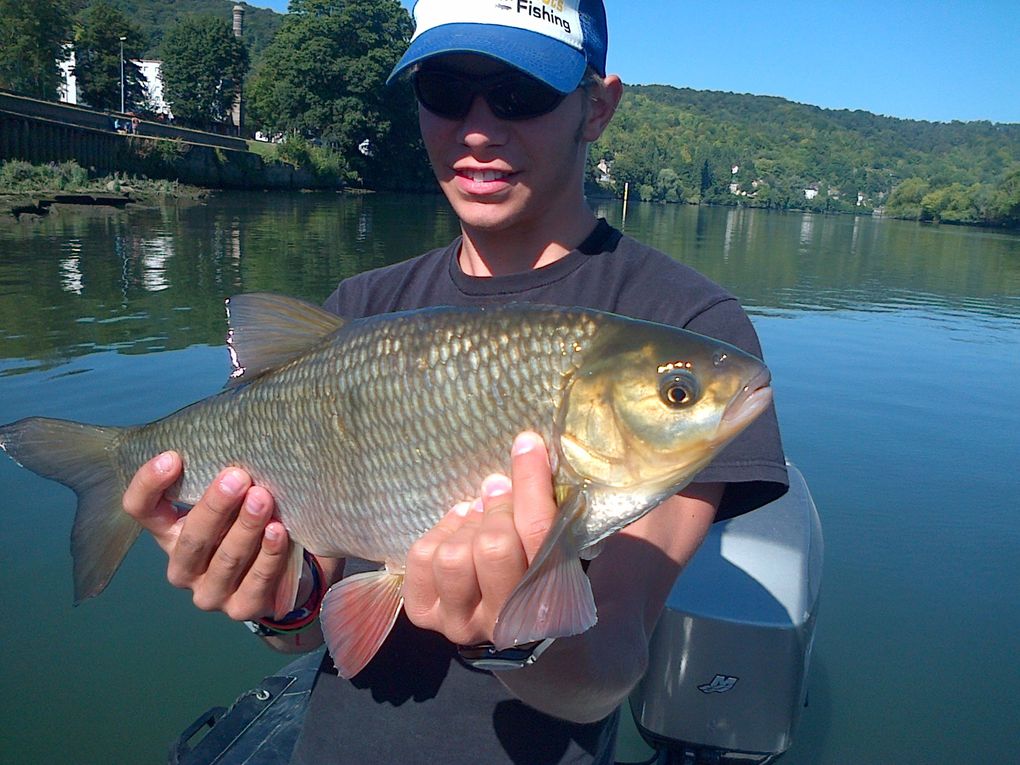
point(895, 352)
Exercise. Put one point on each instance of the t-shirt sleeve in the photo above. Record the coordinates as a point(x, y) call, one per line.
point(752, 465)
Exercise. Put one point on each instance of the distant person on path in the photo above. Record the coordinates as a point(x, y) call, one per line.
point(510, 97)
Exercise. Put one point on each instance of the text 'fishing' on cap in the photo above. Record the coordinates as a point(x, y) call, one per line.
point(552, 40)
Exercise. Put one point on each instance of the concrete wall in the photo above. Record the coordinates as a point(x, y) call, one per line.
point(44, 131)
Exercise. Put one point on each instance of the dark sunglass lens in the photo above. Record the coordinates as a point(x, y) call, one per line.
point(443, 94)
point(523, 97)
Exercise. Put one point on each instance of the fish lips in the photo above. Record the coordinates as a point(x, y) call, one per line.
point(750, 402)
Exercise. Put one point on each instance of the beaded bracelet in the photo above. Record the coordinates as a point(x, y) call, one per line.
point(301, 617)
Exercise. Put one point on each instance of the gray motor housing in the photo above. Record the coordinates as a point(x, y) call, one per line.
point(729, 657)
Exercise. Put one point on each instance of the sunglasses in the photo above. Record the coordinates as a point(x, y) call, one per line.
point(510, 95)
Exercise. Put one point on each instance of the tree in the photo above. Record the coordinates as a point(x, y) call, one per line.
point(32, 45)
point(1006, 205)
point(323, 78)
point(203, 68)
point(668, 187)
point(905, 199)
point(97, 49)
point(707, 179)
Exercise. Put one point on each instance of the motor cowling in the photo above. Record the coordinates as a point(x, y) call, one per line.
point(729, 658)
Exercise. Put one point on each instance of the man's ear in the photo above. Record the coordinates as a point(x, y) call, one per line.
point(603, 98)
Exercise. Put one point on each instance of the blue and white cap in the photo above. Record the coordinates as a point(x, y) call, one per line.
point(552, 40)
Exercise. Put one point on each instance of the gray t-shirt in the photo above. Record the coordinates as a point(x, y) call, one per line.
point(416, 701)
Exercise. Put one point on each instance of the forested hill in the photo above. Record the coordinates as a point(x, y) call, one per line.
point(154, 17)
point(678, 144)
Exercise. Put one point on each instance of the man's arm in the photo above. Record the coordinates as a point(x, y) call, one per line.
point(585, 677)
point(460, 573)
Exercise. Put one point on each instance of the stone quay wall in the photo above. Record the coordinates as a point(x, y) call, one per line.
point(44, 131)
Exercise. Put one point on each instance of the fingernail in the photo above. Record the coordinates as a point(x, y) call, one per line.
point(477, 506)
point(164, 463)
point(496, 486)
point(232, 482)
point(254, 504)
point(272, 532)
point(462, 509)
point(526, 442)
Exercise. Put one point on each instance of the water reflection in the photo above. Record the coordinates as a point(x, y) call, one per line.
point(66, 280)
point(794, 262)
point(892, 345)
point(73, 283)
point(70, 268)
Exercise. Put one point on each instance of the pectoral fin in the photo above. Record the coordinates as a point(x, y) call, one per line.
point(554, 597)
point(357, 614)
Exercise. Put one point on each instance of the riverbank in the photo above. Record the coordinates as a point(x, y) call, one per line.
point(35, 190)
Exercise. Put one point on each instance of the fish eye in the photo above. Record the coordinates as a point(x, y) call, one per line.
point(678, 389)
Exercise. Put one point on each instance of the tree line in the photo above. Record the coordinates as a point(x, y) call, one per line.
point(316, 75)
point(681, 145)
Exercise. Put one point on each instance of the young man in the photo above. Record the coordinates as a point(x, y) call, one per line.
point(510, 96)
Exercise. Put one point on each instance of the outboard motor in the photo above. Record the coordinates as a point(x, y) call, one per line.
point(728, 661)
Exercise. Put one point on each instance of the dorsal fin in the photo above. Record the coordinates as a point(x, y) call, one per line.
point(268, 330)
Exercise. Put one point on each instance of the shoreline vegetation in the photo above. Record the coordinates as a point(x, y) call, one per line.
point(31, 190)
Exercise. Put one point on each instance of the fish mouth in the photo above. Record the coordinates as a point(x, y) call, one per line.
point(751, 401)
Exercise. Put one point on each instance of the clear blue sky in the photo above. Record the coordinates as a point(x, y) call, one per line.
point(920, 59)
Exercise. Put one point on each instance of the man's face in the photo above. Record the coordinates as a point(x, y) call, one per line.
point(507, 175)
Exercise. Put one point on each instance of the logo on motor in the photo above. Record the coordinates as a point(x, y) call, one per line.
point(719, 684)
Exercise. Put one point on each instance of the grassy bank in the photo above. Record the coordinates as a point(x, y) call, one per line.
point(23, 184)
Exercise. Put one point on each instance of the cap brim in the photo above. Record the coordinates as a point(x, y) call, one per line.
point(553, 62)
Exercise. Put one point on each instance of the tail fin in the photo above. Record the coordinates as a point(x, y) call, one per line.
point(82, 458)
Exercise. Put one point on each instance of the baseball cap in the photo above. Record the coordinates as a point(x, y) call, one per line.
point(552, 40)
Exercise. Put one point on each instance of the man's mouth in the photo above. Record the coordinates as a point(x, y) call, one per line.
point(484, 176)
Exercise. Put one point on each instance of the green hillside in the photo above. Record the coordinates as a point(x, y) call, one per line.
point(677, 144)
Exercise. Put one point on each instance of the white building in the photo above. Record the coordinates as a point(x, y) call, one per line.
point(68, 88)
point(153, 85)
point(149, 69)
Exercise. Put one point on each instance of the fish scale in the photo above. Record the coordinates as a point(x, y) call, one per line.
point(357, 428)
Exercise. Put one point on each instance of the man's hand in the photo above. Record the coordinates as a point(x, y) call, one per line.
point(459, 574)
point(227, 549)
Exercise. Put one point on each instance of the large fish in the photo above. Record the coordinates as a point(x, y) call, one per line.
point(367, 431)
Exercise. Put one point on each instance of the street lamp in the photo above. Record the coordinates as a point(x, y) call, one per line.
point(122, 39)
